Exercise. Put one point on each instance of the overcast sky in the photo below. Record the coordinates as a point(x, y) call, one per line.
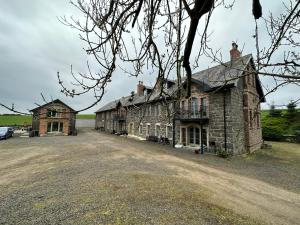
point(34, 45)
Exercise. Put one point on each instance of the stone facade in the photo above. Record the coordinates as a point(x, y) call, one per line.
point(53, 119)
point(251, 108)
point(224, 117)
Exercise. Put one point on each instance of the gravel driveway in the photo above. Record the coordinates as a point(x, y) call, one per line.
point(96, 178)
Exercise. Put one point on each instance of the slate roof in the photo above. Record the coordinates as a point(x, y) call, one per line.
point(211, 78)
point(136, 99)
point(49, 103)
point(228, 72)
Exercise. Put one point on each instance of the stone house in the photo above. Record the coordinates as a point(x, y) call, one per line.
point(223, 110)
point(53, 118)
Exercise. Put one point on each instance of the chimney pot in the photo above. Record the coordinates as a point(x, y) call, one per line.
point(140, 88)
point(234, 52)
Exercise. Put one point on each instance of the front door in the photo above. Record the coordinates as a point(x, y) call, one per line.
point(194, 136)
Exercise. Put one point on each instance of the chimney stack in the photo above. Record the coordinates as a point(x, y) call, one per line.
point(159, 83)
point(140, 88)
point(234, 52)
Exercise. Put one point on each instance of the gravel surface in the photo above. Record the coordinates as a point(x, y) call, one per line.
point(96, 178)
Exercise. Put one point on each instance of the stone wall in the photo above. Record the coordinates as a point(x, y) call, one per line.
point(240, 101)
point(236, 121)
point(216, 120)
point(153, 114)
point(252, 115)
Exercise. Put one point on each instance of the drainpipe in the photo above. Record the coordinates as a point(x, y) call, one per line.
point(202, 147)
point(224, 110)
point(173, 132)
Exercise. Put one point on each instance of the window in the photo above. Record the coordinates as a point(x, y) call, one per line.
point(49, 127)
point(148, 130)
point(141, 129)
point(158, 109)
point(61, 127)
point(203, 106)
point(194, 106)
point(131, 128)
point(51, 113)
point(183, 136)
point(157, 130)
point(55, 127)
point(204, 136)
point(169, 132)
point(183, 105)
point(194, 135)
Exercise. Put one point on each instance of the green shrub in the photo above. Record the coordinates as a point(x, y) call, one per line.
point(222, 152)
point(291, 107)
point(272, 133)
point(273, 112)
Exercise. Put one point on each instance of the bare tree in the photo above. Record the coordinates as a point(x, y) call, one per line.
point(127, 34)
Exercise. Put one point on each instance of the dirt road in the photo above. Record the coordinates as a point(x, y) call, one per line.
point(98, 178)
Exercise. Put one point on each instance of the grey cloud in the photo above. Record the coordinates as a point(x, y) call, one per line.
point(34, 45)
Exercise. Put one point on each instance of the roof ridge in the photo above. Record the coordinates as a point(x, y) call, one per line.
point(221, 64)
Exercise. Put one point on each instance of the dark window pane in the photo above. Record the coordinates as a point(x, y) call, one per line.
point(61, 127)
point(54, 126)
point(197, 134)
point(192, 135)
point(183, 136)
point(49, 127)
point(204, 137)
point(203, 106)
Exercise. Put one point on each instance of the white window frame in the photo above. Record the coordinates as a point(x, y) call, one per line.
point(141, 128)
point(158, 109)
point(157, 125)
point(148, 128)
point(58, 127)
point(168, 126)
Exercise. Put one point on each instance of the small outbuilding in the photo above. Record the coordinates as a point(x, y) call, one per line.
point(53, 118)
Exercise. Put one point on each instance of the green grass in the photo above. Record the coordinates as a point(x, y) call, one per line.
point(86, 116)
point(15, 120)
point(11, 120)
point(281, 153)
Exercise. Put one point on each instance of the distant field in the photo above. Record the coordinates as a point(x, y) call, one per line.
point(15, 120)
point(11, 120)
point(86, 116)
